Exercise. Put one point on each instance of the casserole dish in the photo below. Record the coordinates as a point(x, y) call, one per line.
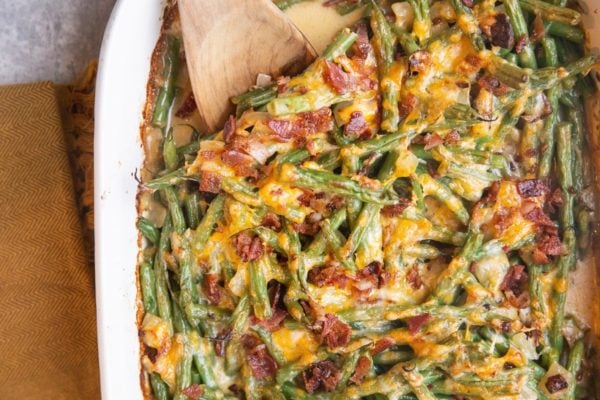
point(121, 95)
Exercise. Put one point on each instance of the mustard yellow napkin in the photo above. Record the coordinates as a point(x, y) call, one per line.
point(47, 313)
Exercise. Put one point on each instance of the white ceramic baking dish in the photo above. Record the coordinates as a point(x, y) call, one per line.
point(129, 40)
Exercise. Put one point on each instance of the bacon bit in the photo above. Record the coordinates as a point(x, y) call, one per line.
point(362, 46)
point(210, 182)
point(261, 363)
point(248, 247)
point(271, 221)
point(374, 273)
point(334, 333)
point(211, 288)
point(522, 41)
point(327, 276)
point(321, 375)
point(335, 77)
point(501, 32)
point(311, 224)
point(501, 220)
point(452, 137)
point(382, 345)
point(208, 154)
point(468, 3)
point(282, 83)
point(394, 210)
point(335, 203)
point(240, 162)
point(432, 140)
point(556, 383)
point(493, 85)
point(357, 125)
point(151, 352)
point(303, 124)
point(548, 242)
point(306, 197)
point(473, 60)
point(415, 323)
point(193, 391)
point(406, 105)
point(539, 30)
point(414, 277)
point(538, 216)
point(187, 107)
point(229, 129)
point(363, 366)
point(532, 188)
point(514, 286)
point(273, 323)
point(223, 336)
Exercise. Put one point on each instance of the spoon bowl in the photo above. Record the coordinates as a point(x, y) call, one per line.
point(228, 43)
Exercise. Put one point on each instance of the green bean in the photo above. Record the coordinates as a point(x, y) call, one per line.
point(160, 272)
point(258, 288)
point(443, 194)
point(184, 371)
point(319, 243)
point(189, 149)
point(150, 232)
point(254, 99)
point(166, 93)
point(240, 315)
point(333, 183)
point(159, 387)
point(175, 210)
point(267, 339)
point(406, 40)
point(192, 209)
point(168, 180)
point(293, 157)
point(341, 43)
point(170, 156)
point(470, 25)
point(204, 360)
point(573, 365)
point(206, 226)
point(180, 322)
point(551, 12)
point(148, 286)
point(527, 55)
point(383, 40)
point(567, 261)
point(571, 33)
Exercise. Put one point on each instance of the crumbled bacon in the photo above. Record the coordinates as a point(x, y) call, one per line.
point(414, 278)
point(418, 62)
point(322, 375)
point(382, 345)
point(193, 391)
point(556, 383)
point(248, 247)
point(223, 336)
point(501, 220)
point(501, 32)
point(302, 124)
point(334, 333)
point(548, 242)
point(271, 221)
point(211, 288)
point(261, 363)
point(515, 284)
point(151, 352)
point(229, 129)
point(452, 137)
point(241, 163)
point(327, 276)
point(362, 46)
point(374, 274)
point(406, 105)
point(522, 41)
point(539, 30)
point(335, 77)
point(282, 83)
point(492, 85)
point(363, 366)
point(357, 125)
point(538, 216)
point(415, 323)
point(272, 323)
point(394, 210)
point(468, 3)
point(210, 182)
point(432, 140)
point(187, 107)
point(310, 226)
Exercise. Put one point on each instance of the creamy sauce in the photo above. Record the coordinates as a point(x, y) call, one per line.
point(320, 24)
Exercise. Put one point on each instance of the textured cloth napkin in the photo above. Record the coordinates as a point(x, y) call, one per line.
point(47, 312)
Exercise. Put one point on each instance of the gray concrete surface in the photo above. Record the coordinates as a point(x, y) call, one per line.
point(49, 39)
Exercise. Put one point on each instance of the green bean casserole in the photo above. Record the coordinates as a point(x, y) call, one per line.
point(399, 221)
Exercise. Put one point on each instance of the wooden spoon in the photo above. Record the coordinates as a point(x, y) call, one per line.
point(228, 43)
